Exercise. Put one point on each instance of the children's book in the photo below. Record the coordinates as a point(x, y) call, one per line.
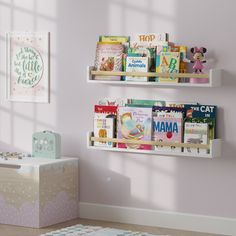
point(108, 58)
point(151, 39)
point(196, 133)
point(168, 127)
point(142, 51)
point(203, 114)
point(117, 39)
point(113, 101)
point(104, 128)
point(136, 64)
point(178, 104)
point(146, 102)
point(124, 40)
point(156, 109)
point(105, 116)
point(134, 123)
point(183, 61)
point(159, 50)
point(169, 63)
point(101, 112)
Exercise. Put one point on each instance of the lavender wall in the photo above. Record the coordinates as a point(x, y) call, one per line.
point(163, 183)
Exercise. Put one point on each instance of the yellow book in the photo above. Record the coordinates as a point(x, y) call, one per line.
point(169, 63)
point(119, 39)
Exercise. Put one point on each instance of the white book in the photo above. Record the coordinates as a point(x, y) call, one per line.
point(113, 101)
point(104, 128)
point(137, 64)
point(151, 38)
point(196, 133)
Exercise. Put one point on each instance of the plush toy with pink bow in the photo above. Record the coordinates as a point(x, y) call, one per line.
point(198, 61)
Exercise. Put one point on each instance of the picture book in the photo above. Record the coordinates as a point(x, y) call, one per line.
point(169, 63)
point(183, 63)
point(136, 64)
point(147, 102)
point(157, 109)
point(203, 111)
point(203, 114)
point(183, 59)
point(136, 105)
point(168, 127)
point(159, 50)
point(196, 133)
point(142, 51)
point(178, 104)
point(134, 123)
point(105, 111)
point(104, 128)
point(108, 58)
point(124, 40)
point(112, 39)
point(151, 39)
point(113, 101)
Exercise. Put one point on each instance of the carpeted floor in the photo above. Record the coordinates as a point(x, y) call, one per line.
point(88, 230)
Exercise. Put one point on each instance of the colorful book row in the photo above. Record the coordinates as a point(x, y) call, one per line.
point(144, 53)
point(148, 120)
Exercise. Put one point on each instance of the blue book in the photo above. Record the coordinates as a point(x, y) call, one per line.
point(203, 114)
point(200, 111)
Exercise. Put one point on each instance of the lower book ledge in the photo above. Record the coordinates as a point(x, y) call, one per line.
point(214, 147)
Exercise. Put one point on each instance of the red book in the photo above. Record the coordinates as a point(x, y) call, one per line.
point(106, 110)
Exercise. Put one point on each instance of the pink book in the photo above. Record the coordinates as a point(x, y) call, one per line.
point(108, 58)
point(134, 123)
point(168, 127)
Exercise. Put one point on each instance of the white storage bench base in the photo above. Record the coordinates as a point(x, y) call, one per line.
point(38, 192)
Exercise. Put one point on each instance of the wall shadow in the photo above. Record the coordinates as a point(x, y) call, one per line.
point(194, 186)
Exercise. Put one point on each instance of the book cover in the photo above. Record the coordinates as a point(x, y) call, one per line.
point(151, 39)
point(142, 51)
point(112, 39)
point(178, 104)
point(196, 133)
point(159, 50)
point(105, 111)
point(136, 64)
point(168, 127)
point(104, 128)
point(203, 111)
point(169, 63)
point(134, 123)
point(146, 102)
point(203, 114)
point(108, 58)
point(124, 40)
point(156, 109)
point(183, 63)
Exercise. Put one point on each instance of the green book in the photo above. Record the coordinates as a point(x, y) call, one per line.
point(147, 102)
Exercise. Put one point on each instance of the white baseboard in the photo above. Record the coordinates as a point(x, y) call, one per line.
point(172, 220)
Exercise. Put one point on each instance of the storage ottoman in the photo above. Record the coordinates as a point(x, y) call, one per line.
point(38, 192)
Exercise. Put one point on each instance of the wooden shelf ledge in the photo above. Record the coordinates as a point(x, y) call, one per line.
point(148, 74)
point(214, 77)
point(214, 147)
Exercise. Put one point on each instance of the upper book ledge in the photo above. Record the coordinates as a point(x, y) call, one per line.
point(214, 77)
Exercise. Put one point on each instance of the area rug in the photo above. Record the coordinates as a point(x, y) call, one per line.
point(89, 230)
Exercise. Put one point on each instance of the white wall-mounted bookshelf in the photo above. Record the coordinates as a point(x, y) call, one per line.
point(214, 147)
point(214, 75)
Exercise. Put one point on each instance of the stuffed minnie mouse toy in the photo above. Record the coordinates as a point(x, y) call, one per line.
point(198, 61)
